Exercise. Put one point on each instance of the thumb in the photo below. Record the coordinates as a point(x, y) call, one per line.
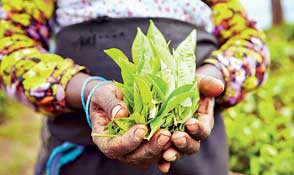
point(210, 86)
point(114, 107)
point(109, 98)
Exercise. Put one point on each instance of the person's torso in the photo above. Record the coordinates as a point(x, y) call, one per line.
point(70, 12)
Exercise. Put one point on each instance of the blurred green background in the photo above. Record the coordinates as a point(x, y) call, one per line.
point(260, 129)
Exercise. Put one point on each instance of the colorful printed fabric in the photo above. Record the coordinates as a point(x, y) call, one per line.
point(27, 71)
point(75, 11)
point(243, 56)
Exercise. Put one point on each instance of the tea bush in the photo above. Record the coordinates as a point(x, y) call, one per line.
point(261, 129)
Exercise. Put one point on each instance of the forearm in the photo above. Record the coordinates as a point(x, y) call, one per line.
point(27, 71)
point(243, 57)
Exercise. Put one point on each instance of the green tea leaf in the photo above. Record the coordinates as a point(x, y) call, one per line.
point(139, 119)
point(155, 125)
point(144, 89)
point(127, 91)
point(124, 123)
point(151, 111)
point(186, 115)
point(179, 90)
point(142, 53)
point(138, 103)
point(168, 76)
point(156, 37)
point(159, 85)
point(160, 48)
point(185, 59)
point(195, 95)
point(174, 101)
point(127, 68)
point(169, 119)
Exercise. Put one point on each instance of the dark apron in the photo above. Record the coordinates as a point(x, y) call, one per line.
point(84, 43)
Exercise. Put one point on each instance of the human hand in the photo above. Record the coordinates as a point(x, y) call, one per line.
point(105, 104)
point(130, 148)
point(210, 85)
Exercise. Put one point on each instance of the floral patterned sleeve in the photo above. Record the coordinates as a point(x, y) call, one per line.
point(243, 56)
point(27, 71)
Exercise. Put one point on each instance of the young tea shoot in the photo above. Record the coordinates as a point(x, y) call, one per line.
point(159, 86)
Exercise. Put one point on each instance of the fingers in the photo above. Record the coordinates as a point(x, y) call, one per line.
point(210, 80)
point(151, 151)
point(198, 129)
point(201, 127)
point(120, 145)
point(164, 166)
point(185, 143)
point(210, 86)
point(109, 98)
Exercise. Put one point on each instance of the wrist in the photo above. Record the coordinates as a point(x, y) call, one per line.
point(89, 87)
point(75, 88)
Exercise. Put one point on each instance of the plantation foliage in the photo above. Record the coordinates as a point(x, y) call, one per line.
point(261, 129)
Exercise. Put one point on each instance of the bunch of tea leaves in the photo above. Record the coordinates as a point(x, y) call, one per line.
point(159, 87)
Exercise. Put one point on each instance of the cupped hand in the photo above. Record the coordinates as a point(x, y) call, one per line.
point(130, 148)
point(210, 85)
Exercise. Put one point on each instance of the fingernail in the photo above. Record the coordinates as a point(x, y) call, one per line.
point(115, 110)
point(181, 141)
point(162, 139)
point(192, 126)
point(164, 167)
point(192, 121)
point(193, 129)
point(171, 157)
point(140, 134)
